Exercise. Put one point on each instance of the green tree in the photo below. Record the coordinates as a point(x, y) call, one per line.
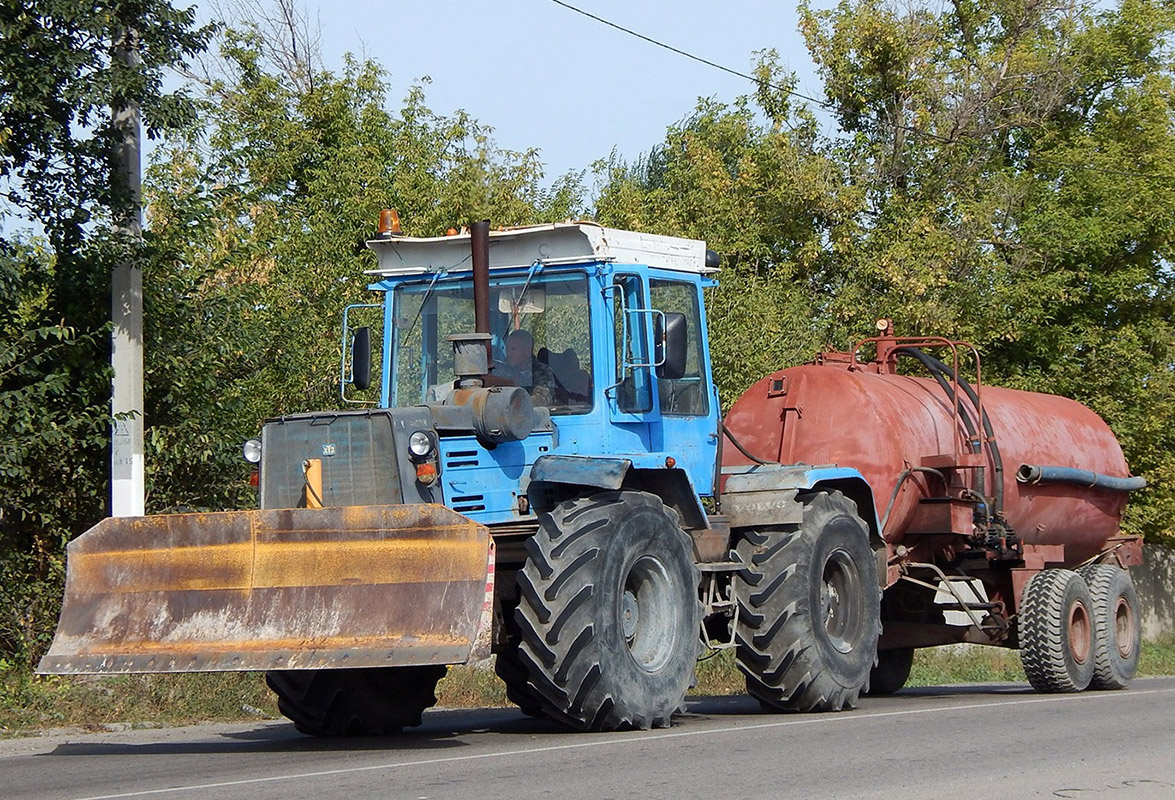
point(763, 194)
point(57, 85)
point(263, 218)
point(1020, 194)
point(997, 172)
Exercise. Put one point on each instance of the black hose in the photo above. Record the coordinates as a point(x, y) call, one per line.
point(941, 373)
point(938, 371)
point(933, 365)
point(897, 487)
point(739, 446)
point(997, 460)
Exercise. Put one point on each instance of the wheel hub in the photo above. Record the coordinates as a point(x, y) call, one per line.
point(630, 615)
point(840, 603)
point(649, 614)
point(1124, 628)
point(1080, 631)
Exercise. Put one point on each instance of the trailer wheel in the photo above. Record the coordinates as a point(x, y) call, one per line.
point(1117, 627)
point(891, 671)
point(355, 702)
point(1057, 632)
point(609, 612)
point(809, 609)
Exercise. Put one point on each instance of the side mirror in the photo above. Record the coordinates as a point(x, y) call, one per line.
point(671, 345)
point(361, 358)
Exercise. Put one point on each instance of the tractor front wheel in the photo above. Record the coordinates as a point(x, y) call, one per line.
point(609, 613)
point(379, 701)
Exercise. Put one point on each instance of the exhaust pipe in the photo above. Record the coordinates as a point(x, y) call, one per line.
point(479, 241)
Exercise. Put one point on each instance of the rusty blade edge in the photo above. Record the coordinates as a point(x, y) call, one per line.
point(251, 662)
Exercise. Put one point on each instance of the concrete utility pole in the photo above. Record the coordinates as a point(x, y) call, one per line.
point(127, 486)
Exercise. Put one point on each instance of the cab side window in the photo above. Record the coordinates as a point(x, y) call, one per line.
point(688, 395)
point(630, 320)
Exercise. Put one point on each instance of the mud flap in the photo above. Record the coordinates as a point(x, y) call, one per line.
point(359, 586)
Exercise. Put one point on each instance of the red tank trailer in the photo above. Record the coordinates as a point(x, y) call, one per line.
point(1018, 492)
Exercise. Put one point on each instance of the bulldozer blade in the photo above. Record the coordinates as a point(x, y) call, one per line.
point(358, 586)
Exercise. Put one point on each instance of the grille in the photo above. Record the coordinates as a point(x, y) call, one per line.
point(357, 453)
point(462, 458)
point(472, 502)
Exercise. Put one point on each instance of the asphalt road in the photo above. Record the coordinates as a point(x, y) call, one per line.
point(978, 741)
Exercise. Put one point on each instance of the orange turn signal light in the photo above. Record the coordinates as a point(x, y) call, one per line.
point(426, 472)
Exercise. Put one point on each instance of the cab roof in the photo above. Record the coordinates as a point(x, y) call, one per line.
point(552, 244)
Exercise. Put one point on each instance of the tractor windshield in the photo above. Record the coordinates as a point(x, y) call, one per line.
point(541, 338)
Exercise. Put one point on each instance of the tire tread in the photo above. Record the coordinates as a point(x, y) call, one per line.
point(775, 651)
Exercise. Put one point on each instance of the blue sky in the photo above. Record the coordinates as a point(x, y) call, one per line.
point(544, 76)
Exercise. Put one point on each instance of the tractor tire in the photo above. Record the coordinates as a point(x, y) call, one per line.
point(509, 667)
point(809, 609)
point(1117, 626)
point(891, 671)
point(1057, 632)
point(609, 612)
point(379, 701)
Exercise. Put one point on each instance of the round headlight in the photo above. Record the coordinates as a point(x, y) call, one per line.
point(251, 450)
point(420, 444)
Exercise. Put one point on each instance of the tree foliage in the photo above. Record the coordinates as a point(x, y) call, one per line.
point(58, 83)
point(999, 172)
point(261, 223)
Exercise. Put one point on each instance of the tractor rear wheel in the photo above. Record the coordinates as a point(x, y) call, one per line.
point(809, 608)
point(609, 613)
point(1057, 631)
point(379, 701)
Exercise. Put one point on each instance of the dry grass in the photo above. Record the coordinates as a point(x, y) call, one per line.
point(29, 703)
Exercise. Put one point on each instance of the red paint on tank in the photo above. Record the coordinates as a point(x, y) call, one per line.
point(881, 423)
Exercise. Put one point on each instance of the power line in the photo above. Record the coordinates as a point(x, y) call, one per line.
point(825, 104)
point(759, 81)
point(691, 56)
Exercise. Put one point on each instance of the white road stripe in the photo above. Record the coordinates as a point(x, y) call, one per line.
point(628, 739)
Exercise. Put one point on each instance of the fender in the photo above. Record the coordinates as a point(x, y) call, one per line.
point(555, 478)
point(767, 494)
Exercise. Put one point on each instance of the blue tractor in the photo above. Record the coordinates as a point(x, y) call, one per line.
point(528, 467)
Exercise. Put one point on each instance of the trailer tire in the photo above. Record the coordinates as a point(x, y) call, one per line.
point(1117, 626)
point(609, 612)
point(891, 671)
point(809, 608)
point(1057, 631)
point(379, 701)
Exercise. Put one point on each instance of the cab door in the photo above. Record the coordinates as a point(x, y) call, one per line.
point(685, 395)
point(630, 397)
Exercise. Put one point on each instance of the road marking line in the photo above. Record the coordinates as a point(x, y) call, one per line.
point(631, 738)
